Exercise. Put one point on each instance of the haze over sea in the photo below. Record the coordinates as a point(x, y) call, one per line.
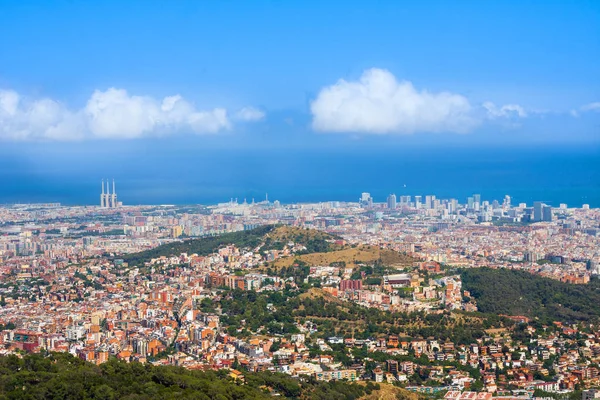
point(553, 174)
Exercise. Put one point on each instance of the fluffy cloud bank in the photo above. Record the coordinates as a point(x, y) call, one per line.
point(378, 103)
point(113, 114)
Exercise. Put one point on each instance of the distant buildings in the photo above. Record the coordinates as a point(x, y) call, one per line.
point(397, 280)
point(350, 285)
point(366, 200)
point(391, 201)
point(541, 212)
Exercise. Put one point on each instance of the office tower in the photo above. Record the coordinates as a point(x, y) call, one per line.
point(391, 201)
point(537, 211)
point(453, 205)
point(365, 199)
point(418, 202)
point(470, 203)
point(476, 202)
point(428, 202)
point(506, 203)
point(546, 213)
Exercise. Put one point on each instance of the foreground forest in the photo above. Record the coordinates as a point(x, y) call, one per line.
point(62, 376)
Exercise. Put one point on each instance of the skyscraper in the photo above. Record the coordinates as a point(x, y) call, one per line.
point(391, 201)
point(546, 213)
point(470, 203)
point(429, 202)
point(537, 211)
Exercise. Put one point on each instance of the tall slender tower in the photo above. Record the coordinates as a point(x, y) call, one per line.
point(102, 196)
point(107, 197)
point(114, 196)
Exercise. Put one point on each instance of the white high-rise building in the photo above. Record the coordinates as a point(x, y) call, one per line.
point(391, 201)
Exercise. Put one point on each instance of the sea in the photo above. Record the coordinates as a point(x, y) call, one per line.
point(553, 175)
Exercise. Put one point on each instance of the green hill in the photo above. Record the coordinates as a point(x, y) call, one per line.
point(203, 246)
point(504, 291)
point(270, 237)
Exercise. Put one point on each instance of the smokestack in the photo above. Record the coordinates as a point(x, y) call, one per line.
point(114, 195)
point(102, 197)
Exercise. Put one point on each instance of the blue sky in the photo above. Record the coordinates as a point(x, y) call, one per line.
point(270, 71)
point(144, 89)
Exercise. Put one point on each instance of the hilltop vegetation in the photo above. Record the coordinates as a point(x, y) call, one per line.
point(350, 256)
point(269, 237)
point(203, 246)
point(246, 311)
point(62, 376)
point(314, 240)
point(503, 291)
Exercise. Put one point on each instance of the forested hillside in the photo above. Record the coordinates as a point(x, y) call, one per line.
point(271, 237)
point(62, 376)
point(203, 246)
point(503, 291)
point(335, 317)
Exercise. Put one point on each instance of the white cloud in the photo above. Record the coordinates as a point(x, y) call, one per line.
point(378, 103)
point(505, 111)
point(113, 113)
point(116, 114)
point(591, 107)
point(39, 119)
point(250, 114)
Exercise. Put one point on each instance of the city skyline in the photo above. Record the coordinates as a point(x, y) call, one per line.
point(316, 200)
point(507, 105)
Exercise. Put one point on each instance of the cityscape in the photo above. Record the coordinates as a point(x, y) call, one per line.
point(358, 200)
point(77, 280)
